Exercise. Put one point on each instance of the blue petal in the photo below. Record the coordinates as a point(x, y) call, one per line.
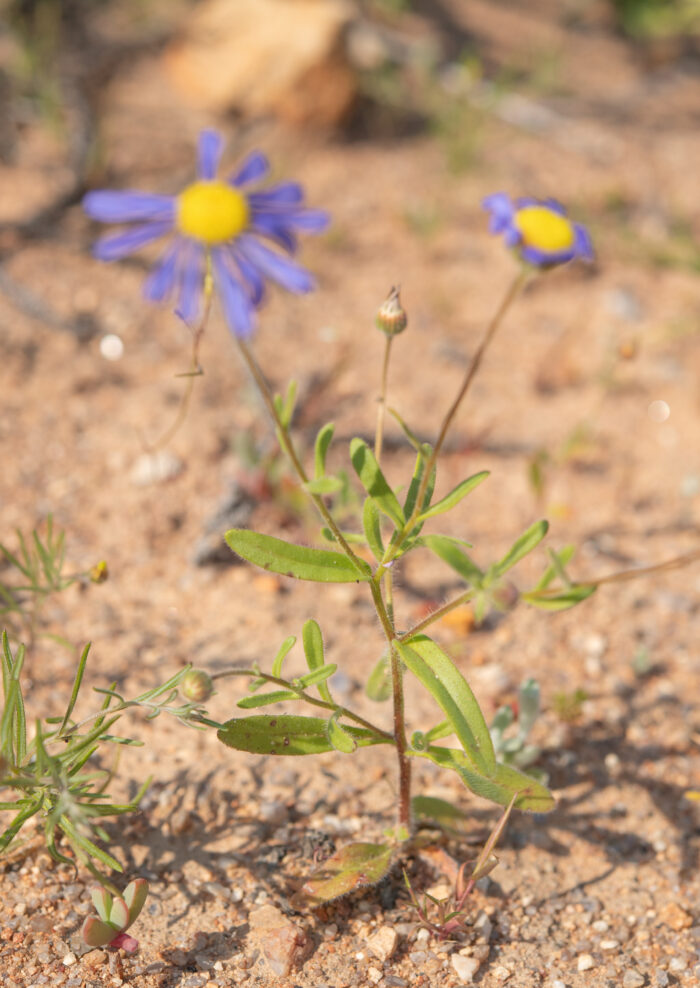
point(275, 229)
point(309, 220)
point(285, 194)
point(251, 278)
point(116, 245)
point(583, 243)
point(255, 166)
point(127, 206)
point(498, 204)
point(555, 206)
point(285, 273)
point(544, 258)
point(238, 309)
point(208, 154)
point(191, 279)
point(511, 236)
point(161, 281)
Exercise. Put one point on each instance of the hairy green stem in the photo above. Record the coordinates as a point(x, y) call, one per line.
point(463, 598)
point(399, 736)
point(381, 410)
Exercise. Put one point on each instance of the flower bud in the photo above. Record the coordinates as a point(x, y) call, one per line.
point(197, 686)
point(99, 572)
point(391, 317)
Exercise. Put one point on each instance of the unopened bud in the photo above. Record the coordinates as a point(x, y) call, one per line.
point(391, 317)
point(197, 685)
point(99, 572)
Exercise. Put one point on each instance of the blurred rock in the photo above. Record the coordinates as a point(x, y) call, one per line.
point(155, 468)
point(285, 57)
point(282, 942)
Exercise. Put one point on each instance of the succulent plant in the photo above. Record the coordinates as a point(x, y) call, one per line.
point(116, 914)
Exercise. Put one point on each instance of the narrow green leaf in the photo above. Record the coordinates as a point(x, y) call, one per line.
point(313, 650)
point(323, 485)
point(285, 648)
point(338, 737)
point(277, 556)
point(408, 433)
point(522, 546)
point(318, 677)
point(442, 730)
point(372, 527)
point(441, 677)
point(285, 406)
point(76, 688)
point(455, 496)
point(80, 843)
point(352, 867)
point(450, 552)
point(560, 600)
point(263, 699)
point(352, 538)
point(378, 687)
point(286, 734)
point(499, 787)
point(559, 560)
point(323, 441)
point(374, 481)
point(413, 488)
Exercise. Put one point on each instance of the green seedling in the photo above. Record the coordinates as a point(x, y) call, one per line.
point(115, 914)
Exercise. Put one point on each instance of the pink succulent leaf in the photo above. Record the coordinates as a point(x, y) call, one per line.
point(135, 896)
point(103, 902)
point(95, 933)
point(127, 943)
point(119, 914)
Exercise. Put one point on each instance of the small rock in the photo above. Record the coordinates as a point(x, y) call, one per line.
point(483, 926)
point(273, 811)
point(558, 984)
point(394, 981)
point(465, 967)
point(678, 964)
point(383, 943)
point(501, 973)
point(600, 926)
point(155, 468)
point(609, 944)
point(68, 959)
point(282, 942)
point(267, 56)
point(374, 975)
point(585, 962)
point(632, 979)
point(678, 919)
point(94, 958)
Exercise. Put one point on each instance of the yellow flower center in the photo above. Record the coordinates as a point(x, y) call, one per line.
point(212, 212)
point(544, 229)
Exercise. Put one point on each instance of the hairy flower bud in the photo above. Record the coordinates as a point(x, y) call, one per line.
point(197, 686)
point(391, 317)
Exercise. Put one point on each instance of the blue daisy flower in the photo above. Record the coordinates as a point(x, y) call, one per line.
point(539, 229)
point(217, 227)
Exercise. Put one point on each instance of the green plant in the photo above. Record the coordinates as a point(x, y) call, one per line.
point(114, 917)
point(55, 772)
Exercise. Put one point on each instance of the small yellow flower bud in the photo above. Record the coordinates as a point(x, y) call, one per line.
point(99, 572)
point(391, 317)
point(197, 686)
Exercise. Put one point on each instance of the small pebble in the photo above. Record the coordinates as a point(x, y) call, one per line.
point(483, 926)
point(609, 944)
point(68, 959)
point(585, 962)
point(374, 975)
point(632, 979)
point(384, 942)
point(465, 967)
point(155, 468)
point(677, 964)
point(558, 984)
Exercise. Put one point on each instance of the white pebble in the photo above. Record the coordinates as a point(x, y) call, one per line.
point(111, 347)
point(465, 967)
point(585, 962)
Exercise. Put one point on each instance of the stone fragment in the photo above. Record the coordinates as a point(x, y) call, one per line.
point(632, 979)
point(585, 962)
point(483, 926)
point(155, 468)
point(258, 57)
point(674, 916)
point(282, 942)
point(374, 975)
point(94, 958)
point(384, 942)
point(465, 967)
